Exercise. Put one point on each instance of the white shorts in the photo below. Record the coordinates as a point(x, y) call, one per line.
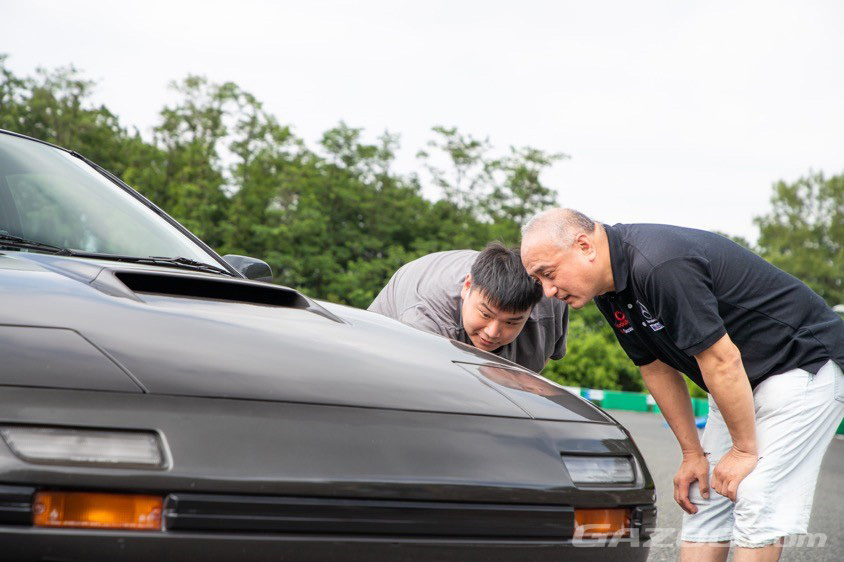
point(797, 414)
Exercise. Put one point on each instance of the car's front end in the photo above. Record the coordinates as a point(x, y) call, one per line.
point(257, 480)
point(156, 405)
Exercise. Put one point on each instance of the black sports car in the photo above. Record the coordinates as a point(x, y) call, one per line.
point(157, 402)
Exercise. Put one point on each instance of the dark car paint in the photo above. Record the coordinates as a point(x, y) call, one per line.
point(259, 352)
point(280, 449)
point(294, 400)
point(221, 446)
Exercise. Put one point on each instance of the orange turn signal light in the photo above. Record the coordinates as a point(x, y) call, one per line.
point(595, 523)
point(103, 511)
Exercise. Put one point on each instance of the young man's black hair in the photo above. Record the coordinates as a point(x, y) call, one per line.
point(499, 274)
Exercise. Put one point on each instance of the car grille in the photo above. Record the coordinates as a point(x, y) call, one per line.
point(350, 517)
point(197, 512)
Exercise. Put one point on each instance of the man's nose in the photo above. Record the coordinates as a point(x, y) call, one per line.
point(493, 328)
point(548, 288)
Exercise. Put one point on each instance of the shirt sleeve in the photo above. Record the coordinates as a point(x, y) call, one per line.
point(682, 294)
point(559, 350)
point(420, 317)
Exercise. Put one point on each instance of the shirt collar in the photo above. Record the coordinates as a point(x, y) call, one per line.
point(617, 258)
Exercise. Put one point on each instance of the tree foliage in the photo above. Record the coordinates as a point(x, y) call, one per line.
point(502, 190)
point(804, 233)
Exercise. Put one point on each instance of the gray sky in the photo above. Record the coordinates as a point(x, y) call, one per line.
point(674, 112)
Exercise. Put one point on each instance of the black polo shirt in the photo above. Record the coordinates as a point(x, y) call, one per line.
point(679, 290)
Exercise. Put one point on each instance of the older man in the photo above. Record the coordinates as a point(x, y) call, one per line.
point(481, 298)
point(767, 349)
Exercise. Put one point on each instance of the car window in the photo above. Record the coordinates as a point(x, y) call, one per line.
point(52, 197)
point(60, 212)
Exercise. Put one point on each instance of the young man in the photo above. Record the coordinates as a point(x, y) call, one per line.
point(484, 299)
point(767, 349)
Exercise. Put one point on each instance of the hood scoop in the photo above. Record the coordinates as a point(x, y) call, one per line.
point(134, 284)
point(210, 288)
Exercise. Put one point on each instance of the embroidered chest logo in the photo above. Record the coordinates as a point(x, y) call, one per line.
point(651, 322)
point(622, 323)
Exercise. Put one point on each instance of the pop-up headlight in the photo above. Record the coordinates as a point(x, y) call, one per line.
point(599, 470)
point(130, 449)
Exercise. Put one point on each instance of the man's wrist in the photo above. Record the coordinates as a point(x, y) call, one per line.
point(692, 452)
point(745, 448)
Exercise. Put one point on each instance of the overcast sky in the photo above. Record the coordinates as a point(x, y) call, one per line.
point(673, 112)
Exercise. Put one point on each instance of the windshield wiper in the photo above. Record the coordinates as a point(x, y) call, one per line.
point(13, 241)
point(180, 262)
point(187, 262)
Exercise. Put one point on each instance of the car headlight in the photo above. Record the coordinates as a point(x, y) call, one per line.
point(130, 449)
point(600, 470)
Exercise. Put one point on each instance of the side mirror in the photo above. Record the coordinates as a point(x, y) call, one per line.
point(251, 268)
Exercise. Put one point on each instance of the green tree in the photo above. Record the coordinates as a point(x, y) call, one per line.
point(56, 106)
point(503, 191)
point(461, 166)
point(804, 233)
point(355, 222)
point(13, 91)
point(265, 159)
point(192, 133)
point(520, 193)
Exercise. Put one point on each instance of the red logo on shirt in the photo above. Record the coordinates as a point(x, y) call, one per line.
point(621, 320)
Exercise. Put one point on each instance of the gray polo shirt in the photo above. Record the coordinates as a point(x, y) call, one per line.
point(425, 294)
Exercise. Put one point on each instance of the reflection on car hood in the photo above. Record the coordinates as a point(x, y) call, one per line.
point(170, 341)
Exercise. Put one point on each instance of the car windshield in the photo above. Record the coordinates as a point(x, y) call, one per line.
point(52, 197)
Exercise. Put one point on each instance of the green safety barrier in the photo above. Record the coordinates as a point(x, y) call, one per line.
point(701, 407)
point(639, 402)
point(617, 400)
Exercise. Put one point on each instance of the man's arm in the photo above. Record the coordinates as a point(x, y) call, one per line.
point(669, 390)
point(683, 297)
point(724, 375)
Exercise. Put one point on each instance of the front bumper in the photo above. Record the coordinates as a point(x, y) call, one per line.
point(82, 545)
point(391, 485)
point(244, 528)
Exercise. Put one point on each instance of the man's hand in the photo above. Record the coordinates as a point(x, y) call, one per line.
point(724, 375)
point(672, 395)
point(730, 471)
point(695, 467)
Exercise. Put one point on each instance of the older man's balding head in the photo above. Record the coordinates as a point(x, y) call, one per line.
point(560, 226)
point(567, 253)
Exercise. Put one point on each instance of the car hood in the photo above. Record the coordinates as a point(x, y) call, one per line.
point(99, 325)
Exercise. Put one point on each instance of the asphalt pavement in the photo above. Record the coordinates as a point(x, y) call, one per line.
point(825, 541)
